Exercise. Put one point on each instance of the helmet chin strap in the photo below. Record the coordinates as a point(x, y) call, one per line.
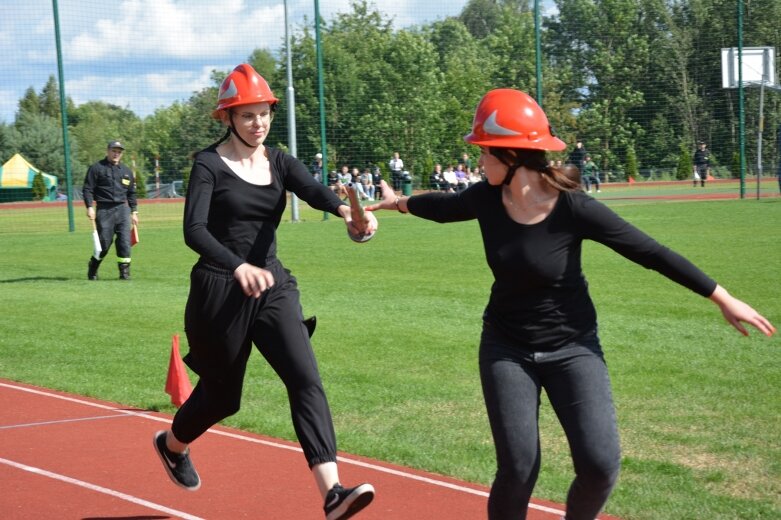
point(509, 176)
point(234, 132)
point(511, 173)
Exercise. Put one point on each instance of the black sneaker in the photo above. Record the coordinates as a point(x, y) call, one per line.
point(178, 465)
point(341, 503)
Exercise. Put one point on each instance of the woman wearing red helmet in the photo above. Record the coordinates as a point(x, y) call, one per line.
point(540, 325)
point(241, 294)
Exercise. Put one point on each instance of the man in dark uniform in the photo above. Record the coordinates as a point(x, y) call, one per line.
point(112, 187)
point(701, 164)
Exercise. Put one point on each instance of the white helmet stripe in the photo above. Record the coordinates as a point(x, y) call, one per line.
point(492, 127)
point(229, 92)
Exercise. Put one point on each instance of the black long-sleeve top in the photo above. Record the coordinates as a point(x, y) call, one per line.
point(540, 297)
point(109, 184)
point(702, 158)
point(229, 221)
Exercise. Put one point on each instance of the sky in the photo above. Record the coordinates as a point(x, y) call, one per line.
point(145, 54)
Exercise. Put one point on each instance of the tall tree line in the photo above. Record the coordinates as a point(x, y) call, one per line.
point(639, 81)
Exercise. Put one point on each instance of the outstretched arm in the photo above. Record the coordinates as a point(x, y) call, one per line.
point(736, 312)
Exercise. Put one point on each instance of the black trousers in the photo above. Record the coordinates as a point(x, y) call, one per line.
point(396, 179)
point(111, 221)
point(221, 325)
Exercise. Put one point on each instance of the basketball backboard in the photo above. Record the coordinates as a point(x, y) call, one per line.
point(759, 63)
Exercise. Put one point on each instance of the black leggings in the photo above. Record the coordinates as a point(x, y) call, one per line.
point(576, 380)
point(274, 323)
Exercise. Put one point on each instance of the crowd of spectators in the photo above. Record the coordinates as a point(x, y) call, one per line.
point(455, 177)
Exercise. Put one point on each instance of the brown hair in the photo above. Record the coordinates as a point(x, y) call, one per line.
point(566, 178)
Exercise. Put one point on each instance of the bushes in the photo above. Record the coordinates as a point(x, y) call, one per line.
point(39, 187)
point(685, 164)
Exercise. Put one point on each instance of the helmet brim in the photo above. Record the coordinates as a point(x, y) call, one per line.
point(551, 143)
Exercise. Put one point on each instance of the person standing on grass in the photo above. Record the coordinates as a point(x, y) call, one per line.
point(540, 325)
point(111, 186)
point(701, 164)
point(241, 294)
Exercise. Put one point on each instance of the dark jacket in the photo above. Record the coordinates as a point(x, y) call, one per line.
point(109, 184)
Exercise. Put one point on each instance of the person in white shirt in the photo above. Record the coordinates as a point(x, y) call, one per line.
point(450, 177)
point(396, 168)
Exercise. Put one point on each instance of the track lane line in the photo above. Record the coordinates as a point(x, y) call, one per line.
point(100, 489)
point(346, 460)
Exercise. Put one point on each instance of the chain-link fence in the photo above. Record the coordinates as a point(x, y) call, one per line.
point(640, 83)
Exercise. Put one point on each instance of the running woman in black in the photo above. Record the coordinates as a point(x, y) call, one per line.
point(241, 294)
point(540, 325)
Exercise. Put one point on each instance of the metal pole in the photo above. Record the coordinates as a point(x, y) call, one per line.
point(291, 111)
point(765, 79)
point(64, 121)
point(761, 128)
point(538, 52)
point(741, 112)
point(321, 97)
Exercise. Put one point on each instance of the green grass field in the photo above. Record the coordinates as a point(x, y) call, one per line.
point(699, 406)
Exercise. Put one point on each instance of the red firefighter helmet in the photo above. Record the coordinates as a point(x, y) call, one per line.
point(243, 86)
point(507, 118)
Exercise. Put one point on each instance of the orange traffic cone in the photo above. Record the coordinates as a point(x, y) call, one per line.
point(631, 180)
point(177, 384)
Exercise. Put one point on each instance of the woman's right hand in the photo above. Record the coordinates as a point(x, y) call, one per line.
point(253, 279)
point(388, 200)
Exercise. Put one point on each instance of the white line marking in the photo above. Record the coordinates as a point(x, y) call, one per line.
point(345, 460)
point(100, 489)
point(61, 421)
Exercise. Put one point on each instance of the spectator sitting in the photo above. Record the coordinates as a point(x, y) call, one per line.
point(367, 183)
point(317, 167)
point(475, 176)
point(357, 185)
point(344, 178)
point(333, 181)
point(437, 180)
point(376, 180)
point(450, 178)
point(462, 178)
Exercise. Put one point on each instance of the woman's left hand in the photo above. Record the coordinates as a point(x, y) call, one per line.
point(737, 312)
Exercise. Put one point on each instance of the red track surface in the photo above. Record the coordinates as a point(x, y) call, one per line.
point(70, 457)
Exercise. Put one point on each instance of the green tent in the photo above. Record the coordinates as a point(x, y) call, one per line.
point(16, 181)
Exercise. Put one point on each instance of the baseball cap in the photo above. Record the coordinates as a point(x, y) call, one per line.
point(115, 144)
point(318, 156)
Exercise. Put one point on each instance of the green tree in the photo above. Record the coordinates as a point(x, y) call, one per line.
point(632, 169)
point(30, 103)
point(482, 17)
point(39, 187)
point(466, 66)
point(606, 43)
point(7, 146)
point(38, 138)
point(685, 163)
point(50, 99)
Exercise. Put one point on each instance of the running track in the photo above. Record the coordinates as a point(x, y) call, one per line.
point(70, 457)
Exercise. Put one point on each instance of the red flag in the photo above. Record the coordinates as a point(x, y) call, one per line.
point(134, 235)
point(177, 384)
